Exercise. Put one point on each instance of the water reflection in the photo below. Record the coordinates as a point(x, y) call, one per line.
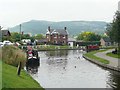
point(57, 53)
point(68, 69)
point(32, 65)
point(114, 79)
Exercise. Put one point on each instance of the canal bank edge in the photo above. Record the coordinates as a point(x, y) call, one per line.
point(101, 64)
point(57, 49)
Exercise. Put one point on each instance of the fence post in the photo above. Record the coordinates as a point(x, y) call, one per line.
point(19, 68)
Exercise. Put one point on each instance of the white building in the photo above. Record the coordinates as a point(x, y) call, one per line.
point(71, 42)
point(26, 40)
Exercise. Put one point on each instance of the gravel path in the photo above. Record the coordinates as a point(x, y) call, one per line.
point(113, 61)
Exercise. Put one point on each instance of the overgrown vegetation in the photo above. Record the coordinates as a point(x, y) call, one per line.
point(92, 56)
point(13, 55)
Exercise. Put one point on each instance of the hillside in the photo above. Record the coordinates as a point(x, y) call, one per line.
point(73, 27)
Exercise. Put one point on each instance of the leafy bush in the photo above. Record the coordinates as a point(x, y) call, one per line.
point(13, 55)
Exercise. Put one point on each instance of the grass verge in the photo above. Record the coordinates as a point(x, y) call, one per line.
point(10, 79)
point(113, 55)
point(0, 74)
point(92, 56)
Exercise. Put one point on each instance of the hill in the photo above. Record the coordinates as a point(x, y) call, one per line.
point(73, 27)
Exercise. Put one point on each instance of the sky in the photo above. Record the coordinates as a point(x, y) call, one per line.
point(14, 12)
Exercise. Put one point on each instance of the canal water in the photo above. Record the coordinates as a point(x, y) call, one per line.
point(68, 69)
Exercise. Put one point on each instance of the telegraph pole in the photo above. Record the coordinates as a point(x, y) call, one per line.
point(20, 32)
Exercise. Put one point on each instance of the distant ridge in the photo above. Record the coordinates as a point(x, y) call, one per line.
point(73, 27)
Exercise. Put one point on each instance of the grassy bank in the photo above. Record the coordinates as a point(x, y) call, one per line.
point(10, 79)
point(11, 56)
point(113, 55)
point(92, 56)
point(0, 74)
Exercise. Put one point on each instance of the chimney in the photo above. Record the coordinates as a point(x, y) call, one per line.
point(48, 28)
point(65, 28)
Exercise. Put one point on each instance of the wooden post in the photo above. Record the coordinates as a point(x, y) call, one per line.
point(19, 68)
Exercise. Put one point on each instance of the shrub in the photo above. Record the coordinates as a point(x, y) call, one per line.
point(13, 55)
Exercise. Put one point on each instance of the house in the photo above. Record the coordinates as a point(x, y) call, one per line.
point(105, 41)
point(71, 42)
point(41, 41)
point(6, 33)
point(57, 36)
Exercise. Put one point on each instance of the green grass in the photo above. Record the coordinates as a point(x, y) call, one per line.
point(51, 47)
point(108, 47)
point(10, 79)
point(0, 74)
point(113, 55)
point(92, 56)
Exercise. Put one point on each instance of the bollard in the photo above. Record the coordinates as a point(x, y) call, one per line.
point(19, 68)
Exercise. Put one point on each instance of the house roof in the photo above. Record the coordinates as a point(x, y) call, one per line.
point(5, 32)
point(71, 39)
point(57, 31)
point(49, 31)
point(62, 31)
point(106, 39)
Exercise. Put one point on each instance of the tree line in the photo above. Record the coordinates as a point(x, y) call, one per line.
point(15, 37)
point(113, 29)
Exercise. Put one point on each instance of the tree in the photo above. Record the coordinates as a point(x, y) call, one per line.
point(88, 36)
point(32, 39)
point(113, 29)
point(25, 36)
point(15, 36)
point(39, 36)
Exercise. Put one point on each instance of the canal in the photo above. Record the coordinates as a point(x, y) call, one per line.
point(68, 69)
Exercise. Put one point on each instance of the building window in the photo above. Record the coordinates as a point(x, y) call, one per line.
point(63, 36)
point(55, 36)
